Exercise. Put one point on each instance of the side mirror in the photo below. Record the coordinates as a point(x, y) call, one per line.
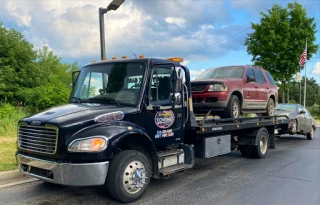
point(250, 79)
point(75, 75)
point(302, 112)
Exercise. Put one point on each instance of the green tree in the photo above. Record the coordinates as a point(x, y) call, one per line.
point(54, 86)
point(278, 40)
point(312, 92)
point(17, 67)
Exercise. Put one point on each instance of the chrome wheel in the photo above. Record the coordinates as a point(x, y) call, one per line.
point(263, 144)
point(294, 127)
point(312, 133)
point(134, 177)
point(235, 109)
point(271, 107)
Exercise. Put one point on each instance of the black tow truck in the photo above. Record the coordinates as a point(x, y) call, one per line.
point(128, 120)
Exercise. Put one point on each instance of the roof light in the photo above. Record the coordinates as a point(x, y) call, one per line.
point(113, 58)
point(141, 56)
point(124, 56)
point(175, 59)
point(104, 59)
point(94, 61)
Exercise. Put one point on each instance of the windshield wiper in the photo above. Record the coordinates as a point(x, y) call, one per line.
point(281, 109)
point(103, 100)
point(78, 100)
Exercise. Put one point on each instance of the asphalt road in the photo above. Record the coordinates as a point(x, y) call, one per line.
point(290, 174)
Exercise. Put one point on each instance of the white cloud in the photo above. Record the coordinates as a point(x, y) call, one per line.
point(177, 21)
point(316, 69)
point(196, 72)
point(71, 28)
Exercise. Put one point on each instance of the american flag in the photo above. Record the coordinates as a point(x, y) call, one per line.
point(303, 57)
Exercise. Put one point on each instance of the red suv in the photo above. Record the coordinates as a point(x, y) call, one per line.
point(234, 90)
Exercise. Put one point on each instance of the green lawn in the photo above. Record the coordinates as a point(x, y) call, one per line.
point(7, 153)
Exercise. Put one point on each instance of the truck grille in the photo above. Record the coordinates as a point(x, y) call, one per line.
point(198, 87)
point(42, 139)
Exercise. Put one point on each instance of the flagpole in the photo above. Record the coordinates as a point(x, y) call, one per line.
point(305, 77)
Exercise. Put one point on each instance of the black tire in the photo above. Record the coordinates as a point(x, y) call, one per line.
point(310, 135)
point(260, 150)
point(233, 108)
point(119, 182)
point(245, 150)
point(270, 108)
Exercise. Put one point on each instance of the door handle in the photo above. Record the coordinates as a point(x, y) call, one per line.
point(156, 107)
point(256, 87)
point(268, 88)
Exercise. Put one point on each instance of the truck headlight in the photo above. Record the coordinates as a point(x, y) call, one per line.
point(218, 87)
point(91, 144)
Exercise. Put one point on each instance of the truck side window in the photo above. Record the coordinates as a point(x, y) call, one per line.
point(160, 88)
point(91, 85)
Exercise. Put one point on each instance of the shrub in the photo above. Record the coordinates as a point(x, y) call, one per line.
point(9, 117)
point(314, 110)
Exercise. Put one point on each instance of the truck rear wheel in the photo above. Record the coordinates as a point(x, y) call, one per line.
point(260, 150)
point(128, 176)
point(245, 150)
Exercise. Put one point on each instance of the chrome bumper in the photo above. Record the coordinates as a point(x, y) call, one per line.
point(86, 174)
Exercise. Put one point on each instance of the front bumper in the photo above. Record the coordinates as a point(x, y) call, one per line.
point(72, 174)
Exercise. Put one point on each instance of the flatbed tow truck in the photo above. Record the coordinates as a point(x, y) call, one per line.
point(128, 120)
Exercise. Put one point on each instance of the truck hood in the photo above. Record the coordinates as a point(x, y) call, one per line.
point(74, 113)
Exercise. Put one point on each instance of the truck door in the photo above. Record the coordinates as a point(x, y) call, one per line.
point(164, 119)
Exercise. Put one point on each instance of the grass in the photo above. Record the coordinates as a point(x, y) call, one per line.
point(9, 117)
point(7, 153)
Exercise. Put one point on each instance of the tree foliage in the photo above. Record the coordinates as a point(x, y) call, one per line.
point(37, 78)
point(312, 92)
point(17, 66)
point(277, 42)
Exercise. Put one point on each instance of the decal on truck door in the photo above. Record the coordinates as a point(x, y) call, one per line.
point(164, 133)
point(164, 119)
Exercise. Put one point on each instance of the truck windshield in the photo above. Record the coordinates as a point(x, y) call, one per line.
point(117, 82)
point(222, 72)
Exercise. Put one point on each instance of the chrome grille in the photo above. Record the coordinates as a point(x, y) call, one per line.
point(198, 87)
point(42, 139)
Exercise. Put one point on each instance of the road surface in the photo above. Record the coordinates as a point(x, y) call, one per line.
point(289, 175)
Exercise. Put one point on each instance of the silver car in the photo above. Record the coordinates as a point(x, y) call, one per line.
point(301, 121)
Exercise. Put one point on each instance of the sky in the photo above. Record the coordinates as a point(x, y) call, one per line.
point(206, 33)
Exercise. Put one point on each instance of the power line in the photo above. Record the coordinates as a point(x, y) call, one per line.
point(216, 51)
point(128, 48)
point(217, 42)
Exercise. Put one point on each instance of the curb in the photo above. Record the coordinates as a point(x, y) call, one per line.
point(10, 174)
point(14, 177)
point(18, 183)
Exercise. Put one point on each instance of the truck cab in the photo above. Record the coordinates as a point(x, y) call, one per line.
point(122, 118)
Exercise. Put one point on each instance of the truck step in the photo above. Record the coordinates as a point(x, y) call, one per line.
point(167, 153)
point(175, 168)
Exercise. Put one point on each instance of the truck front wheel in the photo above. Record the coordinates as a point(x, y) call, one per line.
point(128, 176)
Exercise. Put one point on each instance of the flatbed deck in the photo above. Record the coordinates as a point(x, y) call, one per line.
point(207, 125)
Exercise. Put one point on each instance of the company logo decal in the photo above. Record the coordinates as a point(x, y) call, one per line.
point(164, 119)
point(164, 133)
